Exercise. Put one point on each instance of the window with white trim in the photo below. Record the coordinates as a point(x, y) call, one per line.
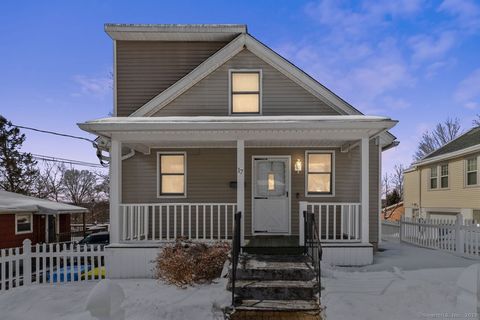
point(444, 176)
point(245, 92)
point(319, 171)
point(472, 172)
point(172, 174)
point(23, 223)
point(433, 177)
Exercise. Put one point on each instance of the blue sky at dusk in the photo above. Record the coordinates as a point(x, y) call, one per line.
point(415, 61)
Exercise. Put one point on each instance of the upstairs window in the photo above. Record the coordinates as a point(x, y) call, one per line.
point(444, 176)
point(472, 172)
point(245, 92)
point(172, 174)
point(433, 178)
point(319, 171)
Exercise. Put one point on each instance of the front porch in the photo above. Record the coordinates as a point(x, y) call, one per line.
point(256, 165)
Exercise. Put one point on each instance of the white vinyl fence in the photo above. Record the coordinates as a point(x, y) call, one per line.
point(391, 230)
point(50, 263)
point(459, 236)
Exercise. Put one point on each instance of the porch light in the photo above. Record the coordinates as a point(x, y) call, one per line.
point(298, 166)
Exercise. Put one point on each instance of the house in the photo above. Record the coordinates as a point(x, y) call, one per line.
point(209, 121)
point(23, 217)
point(393, 212)
point(446, 182)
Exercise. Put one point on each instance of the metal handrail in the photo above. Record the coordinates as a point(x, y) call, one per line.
point(313, 247)
point(236, 246)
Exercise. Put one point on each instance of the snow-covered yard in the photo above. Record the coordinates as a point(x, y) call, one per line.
point(405, 282)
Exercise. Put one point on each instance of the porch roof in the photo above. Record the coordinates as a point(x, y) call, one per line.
point(281, 130)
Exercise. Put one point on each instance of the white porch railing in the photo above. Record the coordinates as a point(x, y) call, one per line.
point(170, 221)
point(337, 222)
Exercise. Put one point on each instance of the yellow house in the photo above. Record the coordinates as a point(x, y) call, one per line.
point(447, 181)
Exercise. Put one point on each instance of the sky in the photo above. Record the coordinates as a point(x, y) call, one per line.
point(416, 61)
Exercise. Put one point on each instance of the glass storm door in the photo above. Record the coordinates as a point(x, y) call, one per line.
point(271, 181)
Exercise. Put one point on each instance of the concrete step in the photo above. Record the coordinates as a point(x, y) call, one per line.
point(261, 250)
point(287, 268)
point(278, 305)
point(275, 290)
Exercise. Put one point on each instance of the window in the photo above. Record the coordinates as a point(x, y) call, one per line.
point(245, 92)
point(472, 172)
point(172, 174)
point(433, 178)
point(319, 171)
point(23, 223)
point(444, 176)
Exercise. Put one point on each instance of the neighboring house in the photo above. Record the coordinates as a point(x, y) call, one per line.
point(394, 212)
point(208, 121)
point(447, 181)
point(23, 217)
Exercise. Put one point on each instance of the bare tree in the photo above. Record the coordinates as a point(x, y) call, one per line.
point(397, 179)
point(385, 185)
point(476, 122)
point(441, 135)
point(79, 186)
point(49, 184)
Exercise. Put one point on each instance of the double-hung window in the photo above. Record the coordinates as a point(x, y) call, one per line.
point(433, 177)
point(245, 95)
point(444, 176)
point(319, 173)
point(23, 223)
point(472, 172)
point(172, 174)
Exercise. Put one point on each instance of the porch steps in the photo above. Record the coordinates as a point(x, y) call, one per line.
point(273, 245)
point(276, 287)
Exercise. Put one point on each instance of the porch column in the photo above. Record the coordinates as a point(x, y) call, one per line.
point(241, 185)
point(115, 189)
point(365, 189)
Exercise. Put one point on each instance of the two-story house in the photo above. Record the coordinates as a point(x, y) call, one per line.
point(209, 121)
point(446, 182)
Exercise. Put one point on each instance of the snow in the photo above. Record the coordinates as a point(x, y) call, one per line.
point(145, 299)
point(406, 282)
point(105, 301)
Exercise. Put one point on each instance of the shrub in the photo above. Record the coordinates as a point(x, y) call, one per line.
point(186, 263)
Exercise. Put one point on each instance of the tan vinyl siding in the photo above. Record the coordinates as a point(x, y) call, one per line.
point(457, 195)
point(411, 187)
point(280, 95)
point(209, 172)
point(146, 68)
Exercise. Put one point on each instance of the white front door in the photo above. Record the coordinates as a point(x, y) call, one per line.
point(270, 190)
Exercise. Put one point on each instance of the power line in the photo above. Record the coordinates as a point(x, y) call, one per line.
point(55, 133)
point(66, 161)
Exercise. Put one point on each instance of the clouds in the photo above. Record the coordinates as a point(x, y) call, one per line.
point(467, 13)
point(468, 91)
point(427, 47)
point(98, 87)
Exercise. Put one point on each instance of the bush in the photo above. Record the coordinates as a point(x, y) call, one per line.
point(187, 263)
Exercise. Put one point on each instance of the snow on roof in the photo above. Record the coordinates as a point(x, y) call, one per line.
point(230, 119)
point(11, 202)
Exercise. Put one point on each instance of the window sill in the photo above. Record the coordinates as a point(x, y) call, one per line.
point(23, 232)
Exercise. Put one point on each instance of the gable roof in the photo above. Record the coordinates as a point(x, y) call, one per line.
point(469, 139)
point(230, 50)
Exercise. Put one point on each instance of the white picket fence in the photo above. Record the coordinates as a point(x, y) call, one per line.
point(459, 236)
point(391, 230)
point(50, 263)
